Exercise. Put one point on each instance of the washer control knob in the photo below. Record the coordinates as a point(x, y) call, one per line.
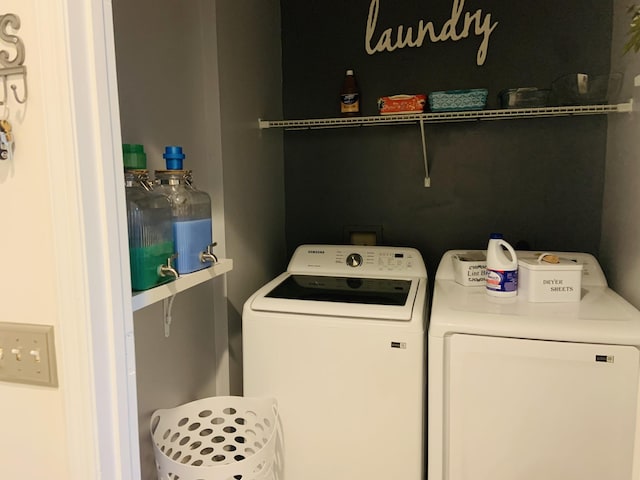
point(354, 260)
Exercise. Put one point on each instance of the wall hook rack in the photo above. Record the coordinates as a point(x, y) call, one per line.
point(13, 72)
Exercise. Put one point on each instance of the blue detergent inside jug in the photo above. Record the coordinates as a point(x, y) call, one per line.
point(191, 238)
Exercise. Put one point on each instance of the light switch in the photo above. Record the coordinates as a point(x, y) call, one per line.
point(27, 354)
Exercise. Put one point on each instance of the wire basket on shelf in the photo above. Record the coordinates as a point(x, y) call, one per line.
point(216, 438)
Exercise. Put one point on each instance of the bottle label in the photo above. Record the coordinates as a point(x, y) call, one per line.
point(502, 280)
point(349, 103)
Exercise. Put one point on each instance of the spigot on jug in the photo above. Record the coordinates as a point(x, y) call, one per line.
point(208, 255)
point(166, 270)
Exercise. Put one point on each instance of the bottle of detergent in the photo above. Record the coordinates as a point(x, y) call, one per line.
point(502, 268)
point(148, 224)
point(191, 214)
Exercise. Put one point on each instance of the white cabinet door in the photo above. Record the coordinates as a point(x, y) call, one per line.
point(532, 410)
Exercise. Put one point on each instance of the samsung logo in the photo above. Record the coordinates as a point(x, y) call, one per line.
point(319, 252)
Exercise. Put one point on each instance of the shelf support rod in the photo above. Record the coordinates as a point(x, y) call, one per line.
point(167, 306)
point(427, 179)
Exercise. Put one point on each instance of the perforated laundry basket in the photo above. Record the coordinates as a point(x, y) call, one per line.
point(216, 438)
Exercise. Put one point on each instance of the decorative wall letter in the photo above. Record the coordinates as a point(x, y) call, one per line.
point(12, 67)
point(458, 27)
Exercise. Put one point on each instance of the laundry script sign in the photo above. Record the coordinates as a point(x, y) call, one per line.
point(459, 26)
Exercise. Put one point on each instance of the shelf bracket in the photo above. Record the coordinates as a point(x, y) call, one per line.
point(427, 179)
point(167, 306)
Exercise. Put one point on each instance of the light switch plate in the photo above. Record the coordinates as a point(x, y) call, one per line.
point(27, 354)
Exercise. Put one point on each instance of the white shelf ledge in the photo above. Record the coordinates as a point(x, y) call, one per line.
point(443, 117)
point(142, 299)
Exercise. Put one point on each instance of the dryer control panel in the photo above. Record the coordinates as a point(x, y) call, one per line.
point(357, 260)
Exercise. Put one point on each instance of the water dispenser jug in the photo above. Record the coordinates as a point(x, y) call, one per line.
point(191, 213)
point(151, 245)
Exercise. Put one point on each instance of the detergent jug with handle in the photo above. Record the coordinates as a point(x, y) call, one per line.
point(502, 268)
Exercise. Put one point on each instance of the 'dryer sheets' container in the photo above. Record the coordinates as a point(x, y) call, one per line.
point(540, 281)
point(470, 268)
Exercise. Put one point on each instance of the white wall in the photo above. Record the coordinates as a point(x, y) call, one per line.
point(168, 95)
point(201, 77)
point(620, 238)
point(250, 88)
point(32, 443)
point(215, 69)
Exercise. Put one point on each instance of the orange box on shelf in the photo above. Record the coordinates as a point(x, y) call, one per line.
point(397, 104)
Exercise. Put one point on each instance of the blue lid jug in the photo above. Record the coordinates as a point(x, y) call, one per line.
point(191, 213)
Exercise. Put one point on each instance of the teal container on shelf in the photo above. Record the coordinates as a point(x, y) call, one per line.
point(458, 100)
point(191, 213)
point(149, 225)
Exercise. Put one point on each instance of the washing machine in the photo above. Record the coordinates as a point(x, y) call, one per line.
point(527, 391)
point(339, 340)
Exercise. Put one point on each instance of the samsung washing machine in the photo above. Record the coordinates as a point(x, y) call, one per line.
point(339, 341)
point(527, 391)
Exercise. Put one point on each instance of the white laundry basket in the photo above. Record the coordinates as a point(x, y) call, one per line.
point(216, 438)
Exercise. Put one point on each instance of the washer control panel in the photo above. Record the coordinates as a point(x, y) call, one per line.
point(355, 259)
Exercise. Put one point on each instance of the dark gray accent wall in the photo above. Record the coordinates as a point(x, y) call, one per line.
point(539, 181)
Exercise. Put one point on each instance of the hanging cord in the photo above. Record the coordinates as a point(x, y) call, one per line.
point(168, 305)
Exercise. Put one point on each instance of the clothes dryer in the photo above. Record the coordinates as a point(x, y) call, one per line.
point(339, 341)
point(529, 391)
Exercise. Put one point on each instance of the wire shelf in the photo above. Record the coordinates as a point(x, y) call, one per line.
point(499, 114)
point(443, 117)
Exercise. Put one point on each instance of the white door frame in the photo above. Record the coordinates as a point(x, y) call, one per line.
point(97, 361)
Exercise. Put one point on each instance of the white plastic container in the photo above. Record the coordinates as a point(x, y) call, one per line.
point(470, 268)
point(502, 268)
point(549, 282)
